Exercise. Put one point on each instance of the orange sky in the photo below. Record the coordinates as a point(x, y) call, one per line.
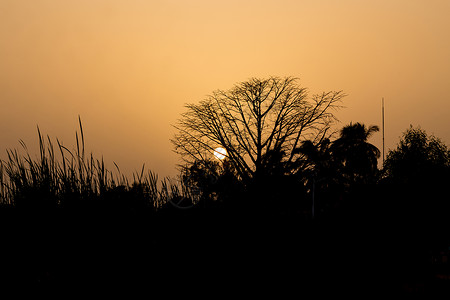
point(127, 67)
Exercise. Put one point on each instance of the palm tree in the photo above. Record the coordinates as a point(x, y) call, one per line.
point(358, 159)
point(320, 174)
point(317, 156)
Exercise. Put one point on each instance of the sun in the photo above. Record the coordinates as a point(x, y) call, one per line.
point(220, 153)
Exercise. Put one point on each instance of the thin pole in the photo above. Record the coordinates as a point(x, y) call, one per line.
point(313, 196)
point(382, 117)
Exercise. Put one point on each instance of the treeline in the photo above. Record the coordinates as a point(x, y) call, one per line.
point(64, 212)
point(335, 173)
point(332, 179)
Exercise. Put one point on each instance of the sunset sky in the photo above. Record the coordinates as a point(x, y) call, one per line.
point(127, 67)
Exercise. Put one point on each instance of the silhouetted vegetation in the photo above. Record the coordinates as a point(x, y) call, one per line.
point(77, 180)
point(260, 123)
point(416, 202)
point(415, 177)
point(309, 213)
point(64, 218)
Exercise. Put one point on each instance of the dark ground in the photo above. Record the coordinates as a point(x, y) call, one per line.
point(210, 253)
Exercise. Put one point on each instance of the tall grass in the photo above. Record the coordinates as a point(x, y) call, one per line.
point(60, 177)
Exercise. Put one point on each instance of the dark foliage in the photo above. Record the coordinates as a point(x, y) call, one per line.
point(416, 175)
point(65, 227)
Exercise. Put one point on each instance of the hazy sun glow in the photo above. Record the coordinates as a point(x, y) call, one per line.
point(220, 153)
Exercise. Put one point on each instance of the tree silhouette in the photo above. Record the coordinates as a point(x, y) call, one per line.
point(210, 180)
point(418, 156)
point(254, 121)
point(417, 172)
point(415, 192)
point(318, 157)
point(356, 156)
point(320, 174)
point(334, 168)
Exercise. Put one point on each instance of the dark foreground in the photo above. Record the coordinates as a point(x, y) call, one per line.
point(211, 253)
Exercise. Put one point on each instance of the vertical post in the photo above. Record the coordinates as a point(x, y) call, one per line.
point(313, 191)
point(382, 121)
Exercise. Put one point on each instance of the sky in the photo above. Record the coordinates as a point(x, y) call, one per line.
point(128, 67)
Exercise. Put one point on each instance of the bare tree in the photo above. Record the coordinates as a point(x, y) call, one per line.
point(254, 119)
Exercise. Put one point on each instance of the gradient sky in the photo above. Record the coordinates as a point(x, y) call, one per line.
point(127, 67)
